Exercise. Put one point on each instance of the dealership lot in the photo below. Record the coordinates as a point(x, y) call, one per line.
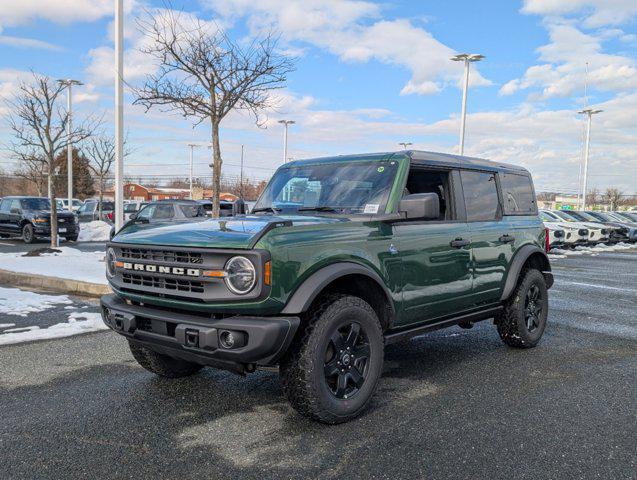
point(452, 404)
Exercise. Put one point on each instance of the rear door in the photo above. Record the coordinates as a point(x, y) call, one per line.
point(4, 214)
point(491, 238)
point(14, 216)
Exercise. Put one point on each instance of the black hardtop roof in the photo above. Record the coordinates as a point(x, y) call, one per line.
point(420, 157)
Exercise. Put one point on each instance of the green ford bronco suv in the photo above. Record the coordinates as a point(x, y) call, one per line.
point(339, 257)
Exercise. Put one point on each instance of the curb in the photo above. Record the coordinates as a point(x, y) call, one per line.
point(54, 284)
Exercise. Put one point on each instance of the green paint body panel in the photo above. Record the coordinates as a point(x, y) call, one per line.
point(426, 277)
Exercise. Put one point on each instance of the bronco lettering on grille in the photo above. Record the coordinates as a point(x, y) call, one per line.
point(142, 267)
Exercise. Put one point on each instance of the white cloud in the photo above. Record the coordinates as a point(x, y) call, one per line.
point(19, 12)
point(22, 42)
point(565, 57)
point(596, 12)
point(354, 31)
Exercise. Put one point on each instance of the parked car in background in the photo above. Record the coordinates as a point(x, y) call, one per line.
point(166, 211)
point(628, 216)
point(64, 202)
point(90, 211)
point(573, 234)
point(131, 207)
point(597, 233)
point(622, 230)
point(226, 209)
point(30, 217)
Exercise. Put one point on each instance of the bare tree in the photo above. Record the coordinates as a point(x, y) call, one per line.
point(204, 75)
point(614, 197)
point(100, 150)
point(592, 197)
point(39, 127)
point(32, 168)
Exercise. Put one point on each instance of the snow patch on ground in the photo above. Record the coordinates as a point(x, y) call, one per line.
point(70, 263)
point(79, 322)
point(95, 231)
point(593, 251)
point(18, 302)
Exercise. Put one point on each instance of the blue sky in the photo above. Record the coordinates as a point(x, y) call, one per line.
point(368, 76)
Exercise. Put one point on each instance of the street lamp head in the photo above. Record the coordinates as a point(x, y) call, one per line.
point(287, 122)
point(69, 81)
point(469, 57)
point(589, 111)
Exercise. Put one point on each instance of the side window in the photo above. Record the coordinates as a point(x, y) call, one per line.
point(517, 194)
point(147, 212)
point(164, 212)
point(480, 195)
point(431, 181)
point(4, 205)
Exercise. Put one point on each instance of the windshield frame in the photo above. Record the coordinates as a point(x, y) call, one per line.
point(389, 200)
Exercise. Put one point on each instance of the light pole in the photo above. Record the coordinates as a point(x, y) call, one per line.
point(589, 112)
point(241, 176)
point(119, 114)
point(192, 147)
point(467, 58)
point(285, 138)
point(68, 83)
point(405, 144)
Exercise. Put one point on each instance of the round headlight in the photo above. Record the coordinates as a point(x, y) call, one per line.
point(240, 275)
point(110, 262)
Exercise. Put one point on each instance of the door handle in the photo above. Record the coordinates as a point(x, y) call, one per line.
point(459, 243)
point(506, 238)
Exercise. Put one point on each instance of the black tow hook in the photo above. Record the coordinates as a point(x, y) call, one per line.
point(191, 338)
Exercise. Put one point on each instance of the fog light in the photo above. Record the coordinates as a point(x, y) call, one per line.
point(229, 339)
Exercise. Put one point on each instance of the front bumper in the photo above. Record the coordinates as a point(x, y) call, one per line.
point(195, 338)
point(45, 229)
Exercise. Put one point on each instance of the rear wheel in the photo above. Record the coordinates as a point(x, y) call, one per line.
point(523, 320)
point(332, 371)
point(28, 234)
point(162, 365)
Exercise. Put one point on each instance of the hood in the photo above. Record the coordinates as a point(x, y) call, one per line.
point(229, 232)
point(47, 213)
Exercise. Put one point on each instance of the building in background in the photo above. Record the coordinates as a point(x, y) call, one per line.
point(136, 191)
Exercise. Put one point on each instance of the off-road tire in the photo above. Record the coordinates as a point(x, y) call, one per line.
point(72, 239)
point(162, 365)
point(511, 323)
point(28, 235)
point(302, 369)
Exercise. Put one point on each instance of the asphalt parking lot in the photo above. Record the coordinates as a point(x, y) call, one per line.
point(452, 404)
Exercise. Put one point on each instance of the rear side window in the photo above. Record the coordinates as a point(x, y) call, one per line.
point(480, 196)
point(517, 194)
point(5, 205)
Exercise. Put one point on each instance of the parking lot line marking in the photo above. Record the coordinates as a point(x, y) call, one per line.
point(594, 285)
point(9, 244)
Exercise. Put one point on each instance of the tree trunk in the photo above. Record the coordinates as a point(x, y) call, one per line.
point(101, 192)
point(54, 211)
point(216, 169)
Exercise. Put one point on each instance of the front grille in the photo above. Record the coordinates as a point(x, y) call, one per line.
point(169, 284)
point(161, 255)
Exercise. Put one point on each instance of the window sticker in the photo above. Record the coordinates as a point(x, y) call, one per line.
point(371, 208)
point(380, 169)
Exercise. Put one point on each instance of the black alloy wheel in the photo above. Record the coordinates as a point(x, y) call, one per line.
point(346, 361)
point(533, 306)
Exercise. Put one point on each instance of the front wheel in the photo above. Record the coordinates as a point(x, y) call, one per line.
point(72, 238)
point(28, 234)
point(523, 320)
point(332, 370)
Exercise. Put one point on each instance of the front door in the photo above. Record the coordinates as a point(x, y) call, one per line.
point(435, 254)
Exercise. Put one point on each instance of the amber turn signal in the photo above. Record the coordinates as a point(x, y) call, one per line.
point(267, 273)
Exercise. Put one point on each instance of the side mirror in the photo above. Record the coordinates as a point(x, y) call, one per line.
point(133, 216)
point(425, 206)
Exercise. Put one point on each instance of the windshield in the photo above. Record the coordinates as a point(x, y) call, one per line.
point(583, 216)
point(603, 216)
point(627, 216)
point(565, 216)
point(35, 204)
point(550, 216)
point(348, 187)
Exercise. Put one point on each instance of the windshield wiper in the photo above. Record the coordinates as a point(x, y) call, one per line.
point(266, 209)
point(318, 209)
